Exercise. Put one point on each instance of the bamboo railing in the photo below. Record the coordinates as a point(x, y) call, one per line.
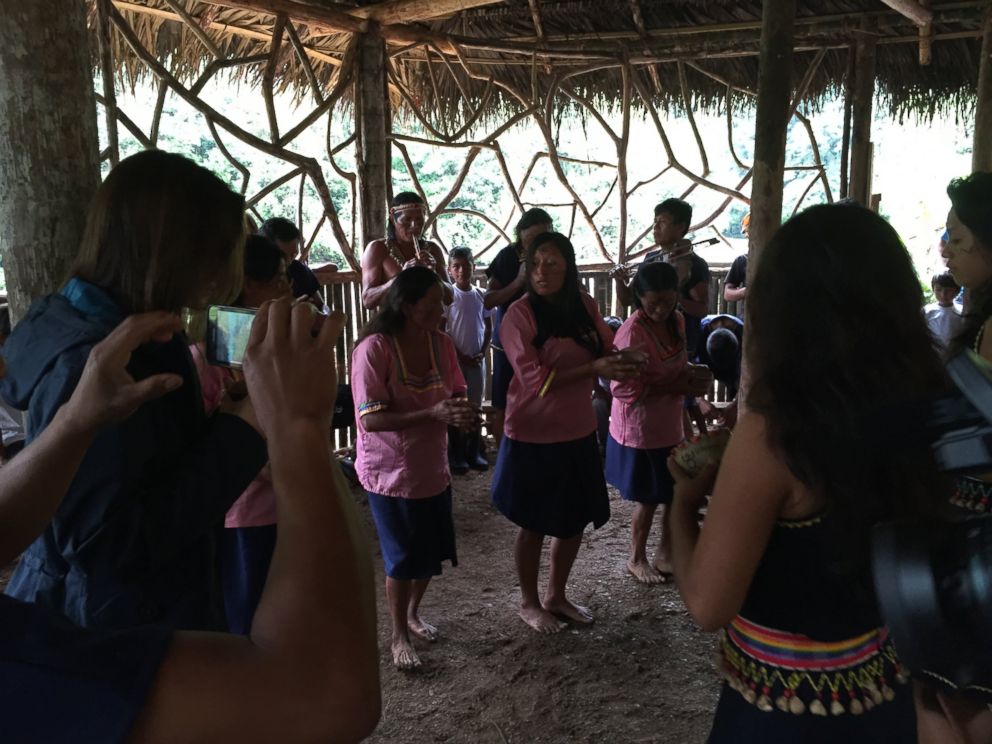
point(344, 293)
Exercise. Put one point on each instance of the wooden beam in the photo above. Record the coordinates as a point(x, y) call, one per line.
point(372, 144)
point(912, 10)
point(415, 11)
point(535, 15)
point(981, 152)
point(861, 113)
point(926, 38)
point(771, 122)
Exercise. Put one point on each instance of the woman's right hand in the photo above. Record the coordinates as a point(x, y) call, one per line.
point(457, 412)
point(620, 365)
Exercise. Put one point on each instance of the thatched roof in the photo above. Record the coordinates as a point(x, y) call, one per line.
point(523, 44)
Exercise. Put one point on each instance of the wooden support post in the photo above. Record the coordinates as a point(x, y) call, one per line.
point(861, 112)
point(770, 128)
point(49, 151)
point(981, 152)
point(771, 122)
point(845, 142)
point(372, 127)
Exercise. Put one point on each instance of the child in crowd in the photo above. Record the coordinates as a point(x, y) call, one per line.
point(249, 537)
point(646, 417)
point(943, 318)
point(469, 324)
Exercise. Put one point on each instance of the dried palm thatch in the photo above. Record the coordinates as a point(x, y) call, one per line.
point(492, 60)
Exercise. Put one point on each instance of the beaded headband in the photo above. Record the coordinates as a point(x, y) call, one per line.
point(407, 207)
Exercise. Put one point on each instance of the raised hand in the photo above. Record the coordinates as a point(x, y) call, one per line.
point(107, 392)
point(290, 372)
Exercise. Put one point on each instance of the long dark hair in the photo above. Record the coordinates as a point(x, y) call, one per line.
point(824, 388)
point(409, 287)
point(971, 198)
point(567, 316)
point(656, 276)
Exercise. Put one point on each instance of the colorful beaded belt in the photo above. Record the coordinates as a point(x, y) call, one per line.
point(972, 494)
point(796, 674)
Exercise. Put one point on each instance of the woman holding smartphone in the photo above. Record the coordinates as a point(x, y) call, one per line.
point(133, 541)
point(408, 389)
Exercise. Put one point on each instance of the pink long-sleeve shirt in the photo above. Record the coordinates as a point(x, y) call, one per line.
point(639, 419)
point(409, 463)
point(536, 409)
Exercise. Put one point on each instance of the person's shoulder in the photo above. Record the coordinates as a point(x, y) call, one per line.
point(519, 311)
point(699, 262)
point(373, 344)
point(374, 248)
point(590, 304)
point(740, 260)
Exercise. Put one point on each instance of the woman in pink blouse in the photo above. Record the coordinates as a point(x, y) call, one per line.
point(647, 412)
point(548, 479)
point(408, 389)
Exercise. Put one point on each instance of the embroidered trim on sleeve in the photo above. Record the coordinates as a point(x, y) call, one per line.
point(372, 406)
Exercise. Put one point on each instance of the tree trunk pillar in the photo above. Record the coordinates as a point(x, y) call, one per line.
point(372, 147)
point(861, 109)
point(981, 157)
point(770, 128)
point(49, 148)
point(771, 122)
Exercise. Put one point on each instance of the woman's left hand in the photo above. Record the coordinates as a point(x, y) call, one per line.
point(689, 490)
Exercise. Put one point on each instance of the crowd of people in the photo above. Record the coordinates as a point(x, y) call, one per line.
point(191, 561)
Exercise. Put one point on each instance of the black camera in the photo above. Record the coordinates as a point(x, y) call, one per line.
point(934, 581)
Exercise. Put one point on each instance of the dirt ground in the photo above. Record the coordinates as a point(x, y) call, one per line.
point(642, 673)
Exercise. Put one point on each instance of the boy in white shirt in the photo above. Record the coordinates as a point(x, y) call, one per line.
point(942, 316)
point(470, 326)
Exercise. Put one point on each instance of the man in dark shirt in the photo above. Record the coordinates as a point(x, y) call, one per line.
point(287, 236)
point(735, 286)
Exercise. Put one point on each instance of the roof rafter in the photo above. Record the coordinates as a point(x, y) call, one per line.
point(913, 10)
point(415, 11)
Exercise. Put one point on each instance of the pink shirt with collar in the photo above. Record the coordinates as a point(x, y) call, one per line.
point(536, 410)
point(409, 463)
point(649, 421)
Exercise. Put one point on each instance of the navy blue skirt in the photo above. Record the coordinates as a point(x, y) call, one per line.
point(639, 475)
point(246, 553)
point(415, 535)
point(739, 722)
point(552, 489)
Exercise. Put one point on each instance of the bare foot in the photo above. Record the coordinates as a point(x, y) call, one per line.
point(541, 620)
point(404, 657)
point(422, 629)
point(644, 572)
point(569, 611)
point(664, 567)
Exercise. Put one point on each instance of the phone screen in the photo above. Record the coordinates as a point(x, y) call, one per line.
point(228, 329)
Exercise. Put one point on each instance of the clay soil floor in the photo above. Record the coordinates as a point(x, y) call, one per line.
point(642, 673)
